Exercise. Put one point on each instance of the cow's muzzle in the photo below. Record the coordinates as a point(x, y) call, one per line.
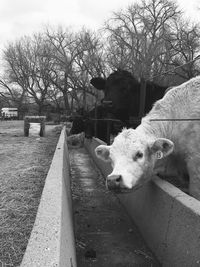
point(114, 183)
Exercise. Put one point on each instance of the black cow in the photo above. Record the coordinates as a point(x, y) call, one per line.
point(122, 90)
point(93, 123)
point(78, 124)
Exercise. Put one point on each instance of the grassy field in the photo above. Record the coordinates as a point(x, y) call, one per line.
point(24, 164)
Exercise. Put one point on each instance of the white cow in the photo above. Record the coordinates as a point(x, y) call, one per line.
point(136, 155)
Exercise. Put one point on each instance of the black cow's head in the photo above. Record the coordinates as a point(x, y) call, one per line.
point(86, 122)
point(121, 90)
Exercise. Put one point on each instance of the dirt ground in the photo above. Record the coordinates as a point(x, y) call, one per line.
point(24, 164)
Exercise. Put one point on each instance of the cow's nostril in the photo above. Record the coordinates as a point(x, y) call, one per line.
point(119, 178)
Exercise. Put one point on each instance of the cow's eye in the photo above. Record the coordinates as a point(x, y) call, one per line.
point(139, 155)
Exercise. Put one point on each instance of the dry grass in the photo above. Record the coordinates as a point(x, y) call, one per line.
point(24, 164)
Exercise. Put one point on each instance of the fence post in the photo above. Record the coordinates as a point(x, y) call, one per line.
point(142, 97)
point(108, 132)
point(95, 120)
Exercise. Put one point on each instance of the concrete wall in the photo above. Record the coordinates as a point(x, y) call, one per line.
point(52, 239)
point(168, 219)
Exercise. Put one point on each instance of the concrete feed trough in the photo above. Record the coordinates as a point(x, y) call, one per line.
point(168, 219)
point(52, 238)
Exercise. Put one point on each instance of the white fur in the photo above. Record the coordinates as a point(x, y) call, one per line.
point(181, 102)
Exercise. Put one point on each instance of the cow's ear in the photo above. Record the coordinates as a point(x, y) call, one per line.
point(99, 83)
point(162, 147)
point(103, 152)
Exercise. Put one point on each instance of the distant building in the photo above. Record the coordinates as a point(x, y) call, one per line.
point(9, 113)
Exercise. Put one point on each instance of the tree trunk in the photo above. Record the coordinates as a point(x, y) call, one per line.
point(66, 102)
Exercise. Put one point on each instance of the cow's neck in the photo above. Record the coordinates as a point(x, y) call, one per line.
point(157, 122)
point(155, 129)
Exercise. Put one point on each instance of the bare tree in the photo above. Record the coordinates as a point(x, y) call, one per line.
point(92, 57)
point(137, 34)
point(76, 57)
point(184, 48)
point(63, 53)
point(11, 95)
point(28, 68)
point(90, 62)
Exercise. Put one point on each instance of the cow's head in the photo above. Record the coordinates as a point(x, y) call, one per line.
point(133, 157)
point(121, 90)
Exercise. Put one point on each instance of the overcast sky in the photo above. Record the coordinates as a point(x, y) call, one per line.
point(22, 17)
